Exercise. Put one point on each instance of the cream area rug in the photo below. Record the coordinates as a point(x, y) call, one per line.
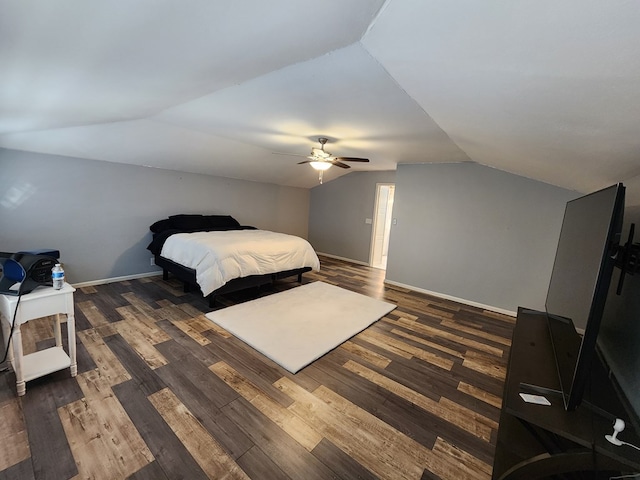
point(295, 327)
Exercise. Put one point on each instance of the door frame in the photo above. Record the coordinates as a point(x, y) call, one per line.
point(374, 225)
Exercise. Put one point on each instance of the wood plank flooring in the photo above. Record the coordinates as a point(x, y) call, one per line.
point(163, 393)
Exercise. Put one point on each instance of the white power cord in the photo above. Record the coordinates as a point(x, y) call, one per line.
point(632, 446)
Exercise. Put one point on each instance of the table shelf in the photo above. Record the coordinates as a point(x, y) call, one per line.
point(44, 362)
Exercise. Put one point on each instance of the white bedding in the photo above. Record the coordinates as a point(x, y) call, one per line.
point(218, 257)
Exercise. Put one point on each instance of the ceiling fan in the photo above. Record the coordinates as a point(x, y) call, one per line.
point(321, 160)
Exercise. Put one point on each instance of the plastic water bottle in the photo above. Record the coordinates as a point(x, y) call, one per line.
point(57, 275)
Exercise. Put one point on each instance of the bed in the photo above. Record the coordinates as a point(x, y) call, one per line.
point(217, 255)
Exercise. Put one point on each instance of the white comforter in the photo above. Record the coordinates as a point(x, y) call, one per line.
point(218, 257)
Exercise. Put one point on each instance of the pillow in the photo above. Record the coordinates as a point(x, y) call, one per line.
point(158, 240)
point(221, 221)
point(188, 222)
point(161, 225)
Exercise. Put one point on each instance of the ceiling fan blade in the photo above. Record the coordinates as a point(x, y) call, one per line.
point(352, 159)
point(339, 164)
point(305, 161)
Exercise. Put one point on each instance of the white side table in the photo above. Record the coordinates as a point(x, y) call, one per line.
point(42, 302)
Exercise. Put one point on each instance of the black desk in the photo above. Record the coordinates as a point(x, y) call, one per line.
point(537, 441)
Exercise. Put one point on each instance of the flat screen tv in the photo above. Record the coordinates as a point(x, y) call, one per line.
point(582, 271)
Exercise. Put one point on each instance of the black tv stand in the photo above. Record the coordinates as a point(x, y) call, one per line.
point(552, 392)
point(538, 441)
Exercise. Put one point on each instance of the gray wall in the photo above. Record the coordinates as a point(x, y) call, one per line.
point(337, 214)
point(475, 233)
point(464, 230)
point(98, 213)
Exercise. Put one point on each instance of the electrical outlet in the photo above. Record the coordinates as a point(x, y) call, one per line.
point(152, 261)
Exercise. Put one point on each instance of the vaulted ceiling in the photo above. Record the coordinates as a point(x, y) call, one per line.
point(545, 89)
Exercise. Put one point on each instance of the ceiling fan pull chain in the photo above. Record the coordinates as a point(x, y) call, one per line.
point(320, 176)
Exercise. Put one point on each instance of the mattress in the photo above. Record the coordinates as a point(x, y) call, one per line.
point(220, 256)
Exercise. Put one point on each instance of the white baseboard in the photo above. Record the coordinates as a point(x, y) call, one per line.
point(343, 258)
point(397, 284)
point(116, 279)
point(454, 299)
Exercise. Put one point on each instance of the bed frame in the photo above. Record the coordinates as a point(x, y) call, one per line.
point(188, 277)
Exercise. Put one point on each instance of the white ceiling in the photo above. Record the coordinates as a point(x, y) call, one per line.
point(545, 89)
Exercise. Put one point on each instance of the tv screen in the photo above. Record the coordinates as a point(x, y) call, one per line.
point(580, 280)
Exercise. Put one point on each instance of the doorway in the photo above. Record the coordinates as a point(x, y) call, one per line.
point(382, 218)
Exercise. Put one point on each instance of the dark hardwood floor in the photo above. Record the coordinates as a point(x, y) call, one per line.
point(163, 393)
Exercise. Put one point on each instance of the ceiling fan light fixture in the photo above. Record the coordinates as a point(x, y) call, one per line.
point(321, 160)
point(320, 165)
point(317, 153)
